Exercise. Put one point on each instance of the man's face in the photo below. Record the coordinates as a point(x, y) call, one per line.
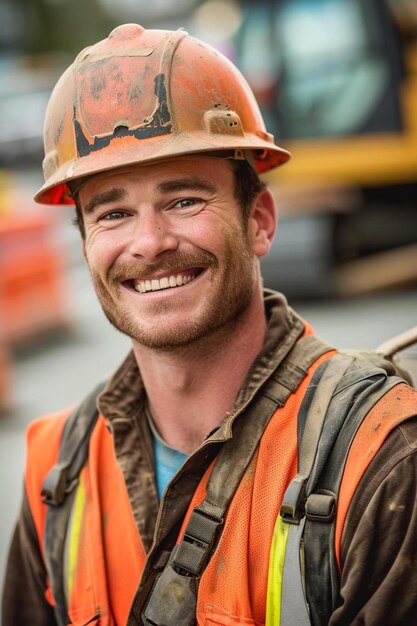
point(169, 253)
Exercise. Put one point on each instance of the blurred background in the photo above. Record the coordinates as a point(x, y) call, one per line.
point(337, 83)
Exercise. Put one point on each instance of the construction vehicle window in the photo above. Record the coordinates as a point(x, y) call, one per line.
point(316, 66)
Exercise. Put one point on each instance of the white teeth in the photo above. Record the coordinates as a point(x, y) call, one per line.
point(164, 283)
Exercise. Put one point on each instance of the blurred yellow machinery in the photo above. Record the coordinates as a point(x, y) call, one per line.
point(341, 88)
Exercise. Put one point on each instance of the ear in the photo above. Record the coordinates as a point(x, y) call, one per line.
point(262, 222)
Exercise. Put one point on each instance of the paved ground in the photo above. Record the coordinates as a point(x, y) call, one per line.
point(59, 372)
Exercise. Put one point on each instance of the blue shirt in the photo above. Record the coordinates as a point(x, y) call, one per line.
point(168, 460)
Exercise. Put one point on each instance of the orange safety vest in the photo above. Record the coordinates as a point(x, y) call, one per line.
point(105, 557)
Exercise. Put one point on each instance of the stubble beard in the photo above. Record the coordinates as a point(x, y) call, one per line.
point(235, 285)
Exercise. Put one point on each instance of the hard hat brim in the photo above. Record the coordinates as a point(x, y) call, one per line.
point(129, 151)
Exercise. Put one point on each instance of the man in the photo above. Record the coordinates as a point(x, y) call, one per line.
point(158, 141)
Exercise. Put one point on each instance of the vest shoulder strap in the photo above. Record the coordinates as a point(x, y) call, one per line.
point(58, 490)
point(343, 391)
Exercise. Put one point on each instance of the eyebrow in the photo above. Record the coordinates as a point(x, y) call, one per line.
point(186, 184)
point(113, 195)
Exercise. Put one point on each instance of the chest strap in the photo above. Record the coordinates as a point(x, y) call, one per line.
point(173, 598)
point(342, 392)
point(287, 605)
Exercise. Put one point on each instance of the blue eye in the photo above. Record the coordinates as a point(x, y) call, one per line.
point(186, 202)
point(113, 215)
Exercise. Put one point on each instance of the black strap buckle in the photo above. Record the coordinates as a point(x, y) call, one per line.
point(57, 485)
point(320, 507)
point(292, 508)
point(197, 543)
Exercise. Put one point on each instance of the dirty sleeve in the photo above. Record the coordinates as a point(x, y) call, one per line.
point(23, 600)
point(379, 544)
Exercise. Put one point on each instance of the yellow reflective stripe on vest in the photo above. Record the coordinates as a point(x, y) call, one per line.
point(275, 573)
point(73, 537)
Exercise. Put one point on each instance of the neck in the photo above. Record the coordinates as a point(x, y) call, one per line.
point(191, 389)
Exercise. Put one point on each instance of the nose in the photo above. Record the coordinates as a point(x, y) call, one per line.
point(152, 235)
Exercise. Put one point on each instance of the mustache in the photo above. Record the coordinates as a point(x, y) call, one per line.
point(174, 263)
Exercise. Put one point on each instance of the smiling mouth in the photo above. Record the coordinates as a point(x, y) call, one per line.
point(170, 281)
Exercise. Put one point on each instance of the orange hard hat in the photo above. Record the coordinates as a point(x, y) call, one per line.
point(145, 95)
